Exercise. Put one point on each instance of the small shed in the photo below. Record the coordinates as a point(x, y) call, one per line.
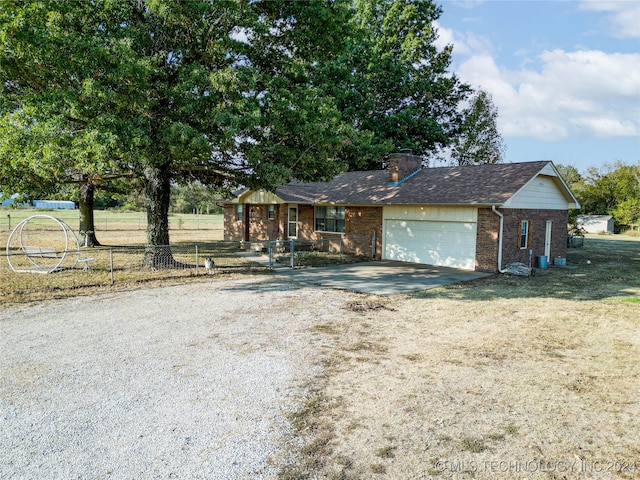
point(54, 204)
point(596, 223)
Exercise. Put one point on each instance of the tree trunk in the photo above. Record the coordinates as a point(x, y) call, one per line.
point(157, 196)
point(87, 225)
point(157, 193)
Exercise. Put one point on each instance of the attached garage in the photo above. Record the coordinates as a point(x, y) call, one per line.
point(443, 236)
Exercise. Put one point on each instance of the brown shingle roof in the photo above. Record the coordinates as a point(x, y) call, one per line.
point(476, 184)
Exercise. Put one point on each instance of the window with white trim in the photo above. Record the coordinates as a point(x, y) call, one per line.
point(524, 234)
point(239, 212)
point(330, 219)
point(271, 212)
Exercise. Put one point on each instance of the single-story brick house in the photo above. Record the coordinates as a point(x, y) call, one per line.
point(479, 217)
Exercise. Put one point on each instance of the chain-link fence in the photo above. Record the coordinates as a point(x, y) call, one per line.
point(28, 273)
point(302, 253)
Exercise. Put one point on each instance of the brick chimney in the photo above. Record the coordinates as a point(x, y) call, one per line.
point(402, 166)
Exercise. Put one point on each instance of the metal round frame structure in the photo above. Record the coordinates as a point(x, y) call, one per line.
point(43, 259)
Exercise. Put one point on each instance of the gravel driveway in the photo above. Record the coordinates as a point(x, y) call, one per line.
point(189, 381)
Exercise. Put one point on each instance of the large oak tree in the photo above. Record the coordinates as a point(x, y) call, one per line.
point(221, 92)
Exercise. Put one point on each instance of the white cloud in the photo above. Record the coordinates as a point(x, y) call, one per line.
point(624, 15)
point(569, 94)
point(464, 43)
point(607, 125)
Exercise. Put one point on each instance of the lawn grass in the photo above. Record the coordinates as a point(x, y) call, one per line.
point(489, 378)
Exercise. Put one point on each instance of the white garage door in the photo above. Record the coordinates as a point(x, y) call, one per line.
point(449, 243)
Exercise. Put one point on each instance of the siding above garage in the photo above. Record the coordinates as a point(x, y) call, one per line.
point(426, 212)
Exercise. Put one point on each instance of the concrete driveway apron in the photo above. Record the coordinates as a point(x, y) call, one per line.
point(380, 278)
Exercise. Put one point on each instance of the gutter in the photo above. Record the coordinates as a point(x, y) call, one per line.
point(493, 208)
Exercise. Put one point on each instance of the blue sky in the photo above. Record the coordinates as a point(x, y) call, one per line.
point(565, 75)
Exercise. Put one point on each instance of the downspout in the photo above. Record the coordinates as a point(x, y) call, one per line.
point(493, 208)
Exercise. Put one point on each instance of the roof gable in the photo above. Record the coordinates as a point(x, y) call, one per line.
point(545, 190)
point(256, 197)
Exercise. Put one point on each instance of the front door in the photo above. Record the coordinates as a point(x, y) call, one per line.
point(547, 240)
point(292, 230)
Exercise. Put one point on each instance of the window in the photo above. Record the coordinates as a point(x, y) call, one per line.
point(330, 219)
point(293, 222)
point(239, 212)
point(271, 212)
point(524, 234)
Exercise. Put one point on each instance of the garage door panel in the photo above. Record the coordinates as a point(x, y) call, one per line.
point(449, 244)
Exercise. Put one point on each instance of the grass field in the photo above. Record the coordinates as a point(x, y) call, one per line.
point(123, 228)
point(499, 378)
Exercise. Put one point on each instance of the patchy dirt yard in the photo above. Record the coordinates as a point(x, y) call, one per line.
point(504, 388)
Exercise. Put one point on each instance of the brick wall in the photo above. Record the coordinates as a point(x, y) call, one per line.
point(488, 224)
point(511, 251)
point(361, 222)
point(305, 222)
point(233, 230)
point(260, 226)
point(487, 240)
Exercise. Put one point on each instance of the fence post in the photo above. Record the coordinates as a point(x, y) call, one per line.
point(373, 246)
point(111, 265)
point(270, 255)
point(292, 262)
point(197, 262)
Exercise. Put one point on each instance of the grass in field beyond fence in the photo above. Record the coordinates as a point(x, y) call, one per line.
point(112, 219)
point(114, 227)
